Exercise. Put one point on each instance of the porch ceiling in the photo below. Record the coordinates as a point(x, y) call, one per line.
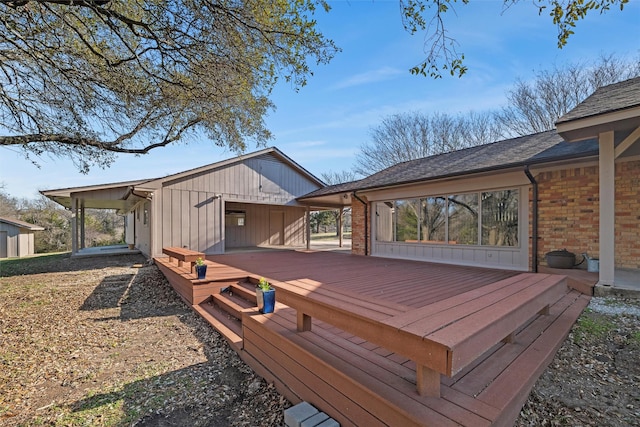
point(121, 198)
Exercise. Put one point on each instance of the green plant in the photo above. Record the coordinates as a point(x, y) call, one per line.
point(264, 285)
point(199, 261)
point(590, 327)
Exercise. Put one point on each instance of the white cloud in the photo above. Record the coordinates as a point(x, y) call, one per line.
point(374, 76)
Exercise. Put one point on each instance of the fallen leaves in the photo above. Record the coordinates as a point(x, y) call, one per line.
point(108, 344)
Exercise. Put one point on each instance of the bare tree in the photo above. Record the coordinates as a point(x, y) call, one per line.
point(9, 206)
point(333, 178)
point(536, 106)
point(409, 136)
point(90, 78)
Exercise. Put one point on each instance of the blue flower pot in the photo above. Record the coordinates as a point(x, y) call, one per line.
point(201, 271)
point(267, 303)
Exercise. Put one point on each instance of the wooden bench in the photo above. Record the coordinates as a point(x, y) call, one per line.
point(183, 255)
point(441, 338)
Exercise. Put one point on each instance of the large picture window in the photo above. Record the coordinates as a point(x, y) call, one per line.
point(463, 219)
point(433, 220)
point(488, 218)
point(500, 218)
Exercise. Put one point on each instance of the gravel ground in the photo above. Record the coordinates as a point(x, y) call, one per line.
point(594, 380)
point(99, 342)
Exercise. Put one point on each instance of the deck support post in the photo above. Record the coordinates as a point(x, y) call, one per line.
point(510, 339)
point(427, 381)
point(545, 311)
point(303, 322)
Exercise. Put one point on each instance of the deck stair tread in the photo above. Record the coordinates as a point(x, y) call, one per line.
point(479, 396)
point(229, 327)
point(245, 290)
point(231, 303)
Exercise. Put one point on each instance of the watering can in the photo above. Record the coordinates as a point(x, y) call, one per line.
point(593, 264)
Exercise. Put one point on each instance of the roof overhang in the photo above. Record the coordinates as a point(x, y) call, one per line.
point(21, 224)
point(340, 199)
point(119, 196)
point(328, 201)
point(591, 126)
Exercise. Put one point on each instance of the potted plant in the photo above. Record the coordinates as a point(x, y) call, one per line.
point(201, 268)
point(266, 296)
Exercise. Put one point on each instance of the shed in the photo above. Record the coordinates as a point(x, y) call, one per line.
point(17, 238)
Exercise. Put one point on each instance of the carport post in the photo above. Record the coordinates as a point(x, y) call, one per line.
point(308, 227)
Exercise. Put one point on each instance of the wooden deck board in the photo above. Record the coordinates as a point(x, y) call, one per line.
point(364, 382)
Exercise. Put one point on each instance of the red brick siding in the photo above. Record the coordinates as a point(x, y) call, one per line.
point(568, 210)
point(628, 214)
point(357, 227)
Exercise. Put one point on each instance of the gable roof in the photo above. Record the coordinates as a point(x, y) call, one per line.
point(545, 147)
point(21, 224)
point(612, 107)
point(124, 193)
point(271, 150)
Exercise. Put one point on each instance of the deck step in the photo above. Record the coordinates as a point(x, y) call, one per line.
point(492, 392)
point(231, 304)
point(244, 290)
point(229, 327)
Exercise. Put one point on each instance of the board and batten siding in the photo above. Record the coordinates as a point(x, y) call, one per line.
point(260, 223)
point(14, 243)
point(262, 179)
point(193, 207)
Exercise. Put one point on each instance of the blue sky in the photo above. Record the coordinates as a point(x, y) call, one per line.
point(323, 125)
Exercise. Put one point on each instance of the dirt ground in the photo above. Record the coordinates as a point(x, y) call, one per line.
point(101, 342)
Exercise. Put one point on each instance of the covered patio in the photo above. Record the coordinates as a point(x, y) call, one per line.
point(362, 338)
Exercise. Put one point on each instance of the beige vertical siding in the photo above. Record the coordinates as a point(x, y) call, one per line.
point(193, 207)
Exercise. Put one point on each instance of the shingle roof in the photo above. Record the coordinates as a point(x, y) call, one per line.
point(21, 224)
point(526, 150)
point(607, 99)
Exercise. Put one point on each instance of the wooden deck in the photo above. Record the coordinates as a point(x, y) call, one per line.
point(364, 369)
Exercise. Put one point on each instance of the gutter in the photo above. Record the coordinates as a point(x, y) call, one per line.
point(366, 223)
point(534, 219)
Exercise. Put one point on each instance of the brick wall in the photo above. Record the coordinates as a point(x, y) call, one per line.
point(357, 227)
point(628, 214)
point(568, 210)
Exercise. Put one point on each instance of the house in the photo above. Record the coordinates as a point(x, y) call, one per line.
point(245, 201)
point(17, 238)
point(506, 204)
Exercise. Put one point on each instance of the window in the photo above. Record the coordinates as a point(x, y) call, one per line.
point(145, 218)
point(488, 218)
point(406, 213)
point(235, 218)
point(384, 221)
point(500, 218)
point(433, 220)
point(463, 219)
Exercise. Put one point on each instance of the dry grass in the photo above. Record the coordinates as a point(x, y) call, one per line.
point(98, 342)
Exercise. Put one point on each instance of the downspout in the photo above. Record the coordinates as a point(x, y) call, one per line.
point(534, 219)
point(366, 223)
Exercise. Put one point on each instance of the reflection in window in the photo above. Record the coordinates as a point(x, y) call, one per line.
point(406, 213)
point(433, 220)
point(384, 222)
point(463, 219)
point(500, 218)
point(453, 219)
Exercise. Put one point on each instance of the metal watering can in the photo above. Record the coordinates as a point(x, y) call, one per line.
point(593, 264)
